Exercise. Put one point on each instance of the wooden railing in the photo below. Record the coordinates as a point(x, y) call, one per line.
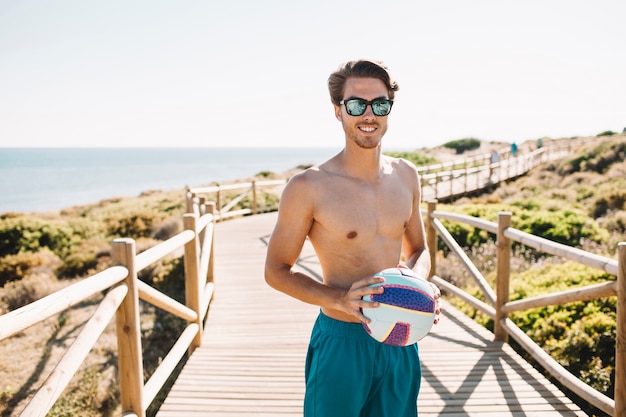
point(122, 302)
point(498, 306)
point(467, 175)
point(439, 181)
point(124, 289)
point(197, 196)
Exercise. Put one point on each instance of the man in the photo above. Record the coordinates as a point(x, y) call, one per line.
point(361, 212)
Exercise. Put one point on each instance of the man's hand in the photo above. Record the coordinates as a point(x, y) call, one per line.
point(437, 305)
point(352, 300)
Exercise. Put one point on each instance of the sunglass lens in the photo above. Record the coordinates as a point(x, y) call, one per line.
point(355, 107)
point(381, 107)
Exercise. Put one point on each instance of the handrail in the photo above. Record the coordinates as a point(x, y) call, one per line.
point(22, 318)
point(68, 365)
point(589, 259)
point(196, 197)
point(480, 173)
point(504, 326)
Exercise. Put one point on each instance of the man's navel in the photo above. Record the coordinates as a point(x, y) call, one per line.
point(352, 235)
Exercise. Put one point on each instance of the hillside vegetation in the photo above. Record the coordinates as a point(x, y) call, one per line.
point(579, 201)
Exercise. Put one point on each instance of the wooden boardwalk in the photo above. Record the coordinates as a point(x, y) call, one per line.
point(251, 362)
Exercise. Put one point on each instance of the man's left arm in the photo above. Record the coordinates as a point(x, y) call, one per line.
point(414, 246)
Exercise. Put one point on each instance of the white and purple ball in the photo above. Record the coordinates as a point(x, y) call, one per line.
point(407, 308)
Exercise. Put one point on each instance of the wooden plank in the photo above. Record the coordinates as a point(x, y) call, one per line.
point(251, 362)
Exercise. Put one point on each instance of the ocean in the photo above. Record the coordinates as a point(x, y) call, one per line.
point(44, 179)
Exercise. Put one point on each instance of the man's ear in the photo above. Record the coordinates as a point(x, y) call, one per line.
point(338, 114)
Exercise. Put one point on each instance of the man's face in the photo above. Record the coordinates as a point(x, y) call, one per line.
point(368, 129)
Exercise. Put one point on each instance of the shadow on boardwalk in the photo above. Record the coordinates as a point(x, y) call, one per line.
point(251, 362)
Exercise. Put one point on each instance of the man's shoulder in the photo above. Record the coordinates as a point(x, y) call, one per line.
point(307, 176)
point(401, 166)
point(304, 182)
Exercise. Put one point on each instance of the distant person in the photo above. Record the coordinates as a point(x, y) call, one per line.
point(514, 149)
point(495, 159)
point(361, 211)
point(539, 143)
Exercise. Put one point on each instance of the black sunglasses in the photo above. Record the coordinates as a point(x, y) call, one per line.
point(357, 106)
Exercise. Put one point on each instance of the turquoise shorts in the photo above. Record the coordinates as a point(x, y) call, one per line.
point(349, 374)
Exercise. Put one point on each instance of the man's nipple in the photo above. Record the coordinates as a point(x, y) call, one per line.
point(352, 235)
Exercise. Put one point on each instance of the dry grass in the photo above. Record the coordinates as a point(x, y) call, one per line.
point(27, 358)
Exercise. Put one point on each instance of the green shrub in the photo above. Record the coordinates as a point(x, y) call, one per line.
point(16, 294)
point(607, 133)
point(265, 174)
point(417, 158)
point(536, 216)
point(30, 234)
point(78, 264)
point(462, 145)
point(580, 335)
point(85, 259)
point(587, 348)
point(19, 266)
point(567, 226)
point(616, 223)
point(614, 200)
point(133, 224)
point(263, 200)
point(597, 157)
point(167, 228)
point(91, 392)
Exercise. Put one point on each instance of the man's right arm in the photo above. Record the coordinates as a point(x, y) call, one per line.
point(295, 218)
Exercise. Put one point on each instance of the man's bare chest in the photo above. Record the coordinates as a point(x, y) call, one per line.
point(363, 212)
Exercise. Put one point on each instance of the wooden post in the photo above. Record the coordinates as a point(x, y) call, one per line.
point(502, 275)
point(620, 347)
point(192, 281)
point(189, 196)
point(128, 332)
point(477, 180)
point(431, 237)
point(254, 202)
point(218, 201)
point(202, 211)
point(465, 179)
point(210, 272)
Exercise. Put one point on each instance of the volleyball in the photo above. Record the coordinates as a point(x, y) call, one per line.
point(406, 312)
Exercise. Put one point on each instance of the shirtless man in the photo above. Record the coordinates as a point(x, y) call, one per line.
point(361, 212)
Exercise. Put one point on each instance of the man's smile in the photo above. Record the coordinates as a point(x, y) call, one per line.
point(367, 129)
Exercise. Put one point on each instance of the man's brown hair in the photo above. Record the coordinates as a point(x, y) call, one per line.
point(361, 68)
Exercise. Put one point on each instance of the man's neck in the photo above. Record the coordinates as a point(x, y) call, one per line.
point(362, 163)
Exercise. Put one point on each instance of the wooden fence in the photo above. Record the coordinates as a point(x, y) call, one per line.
point(198, 196)
point(449, 180)
point(122, 302)
point(498, 306)
point(124, 291)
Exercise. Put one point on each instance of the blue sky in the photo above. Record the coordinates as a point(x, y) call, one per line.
point(253, 73)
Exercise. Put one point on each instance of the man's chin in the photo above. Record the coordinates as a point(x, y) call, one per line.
point(368, 143)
